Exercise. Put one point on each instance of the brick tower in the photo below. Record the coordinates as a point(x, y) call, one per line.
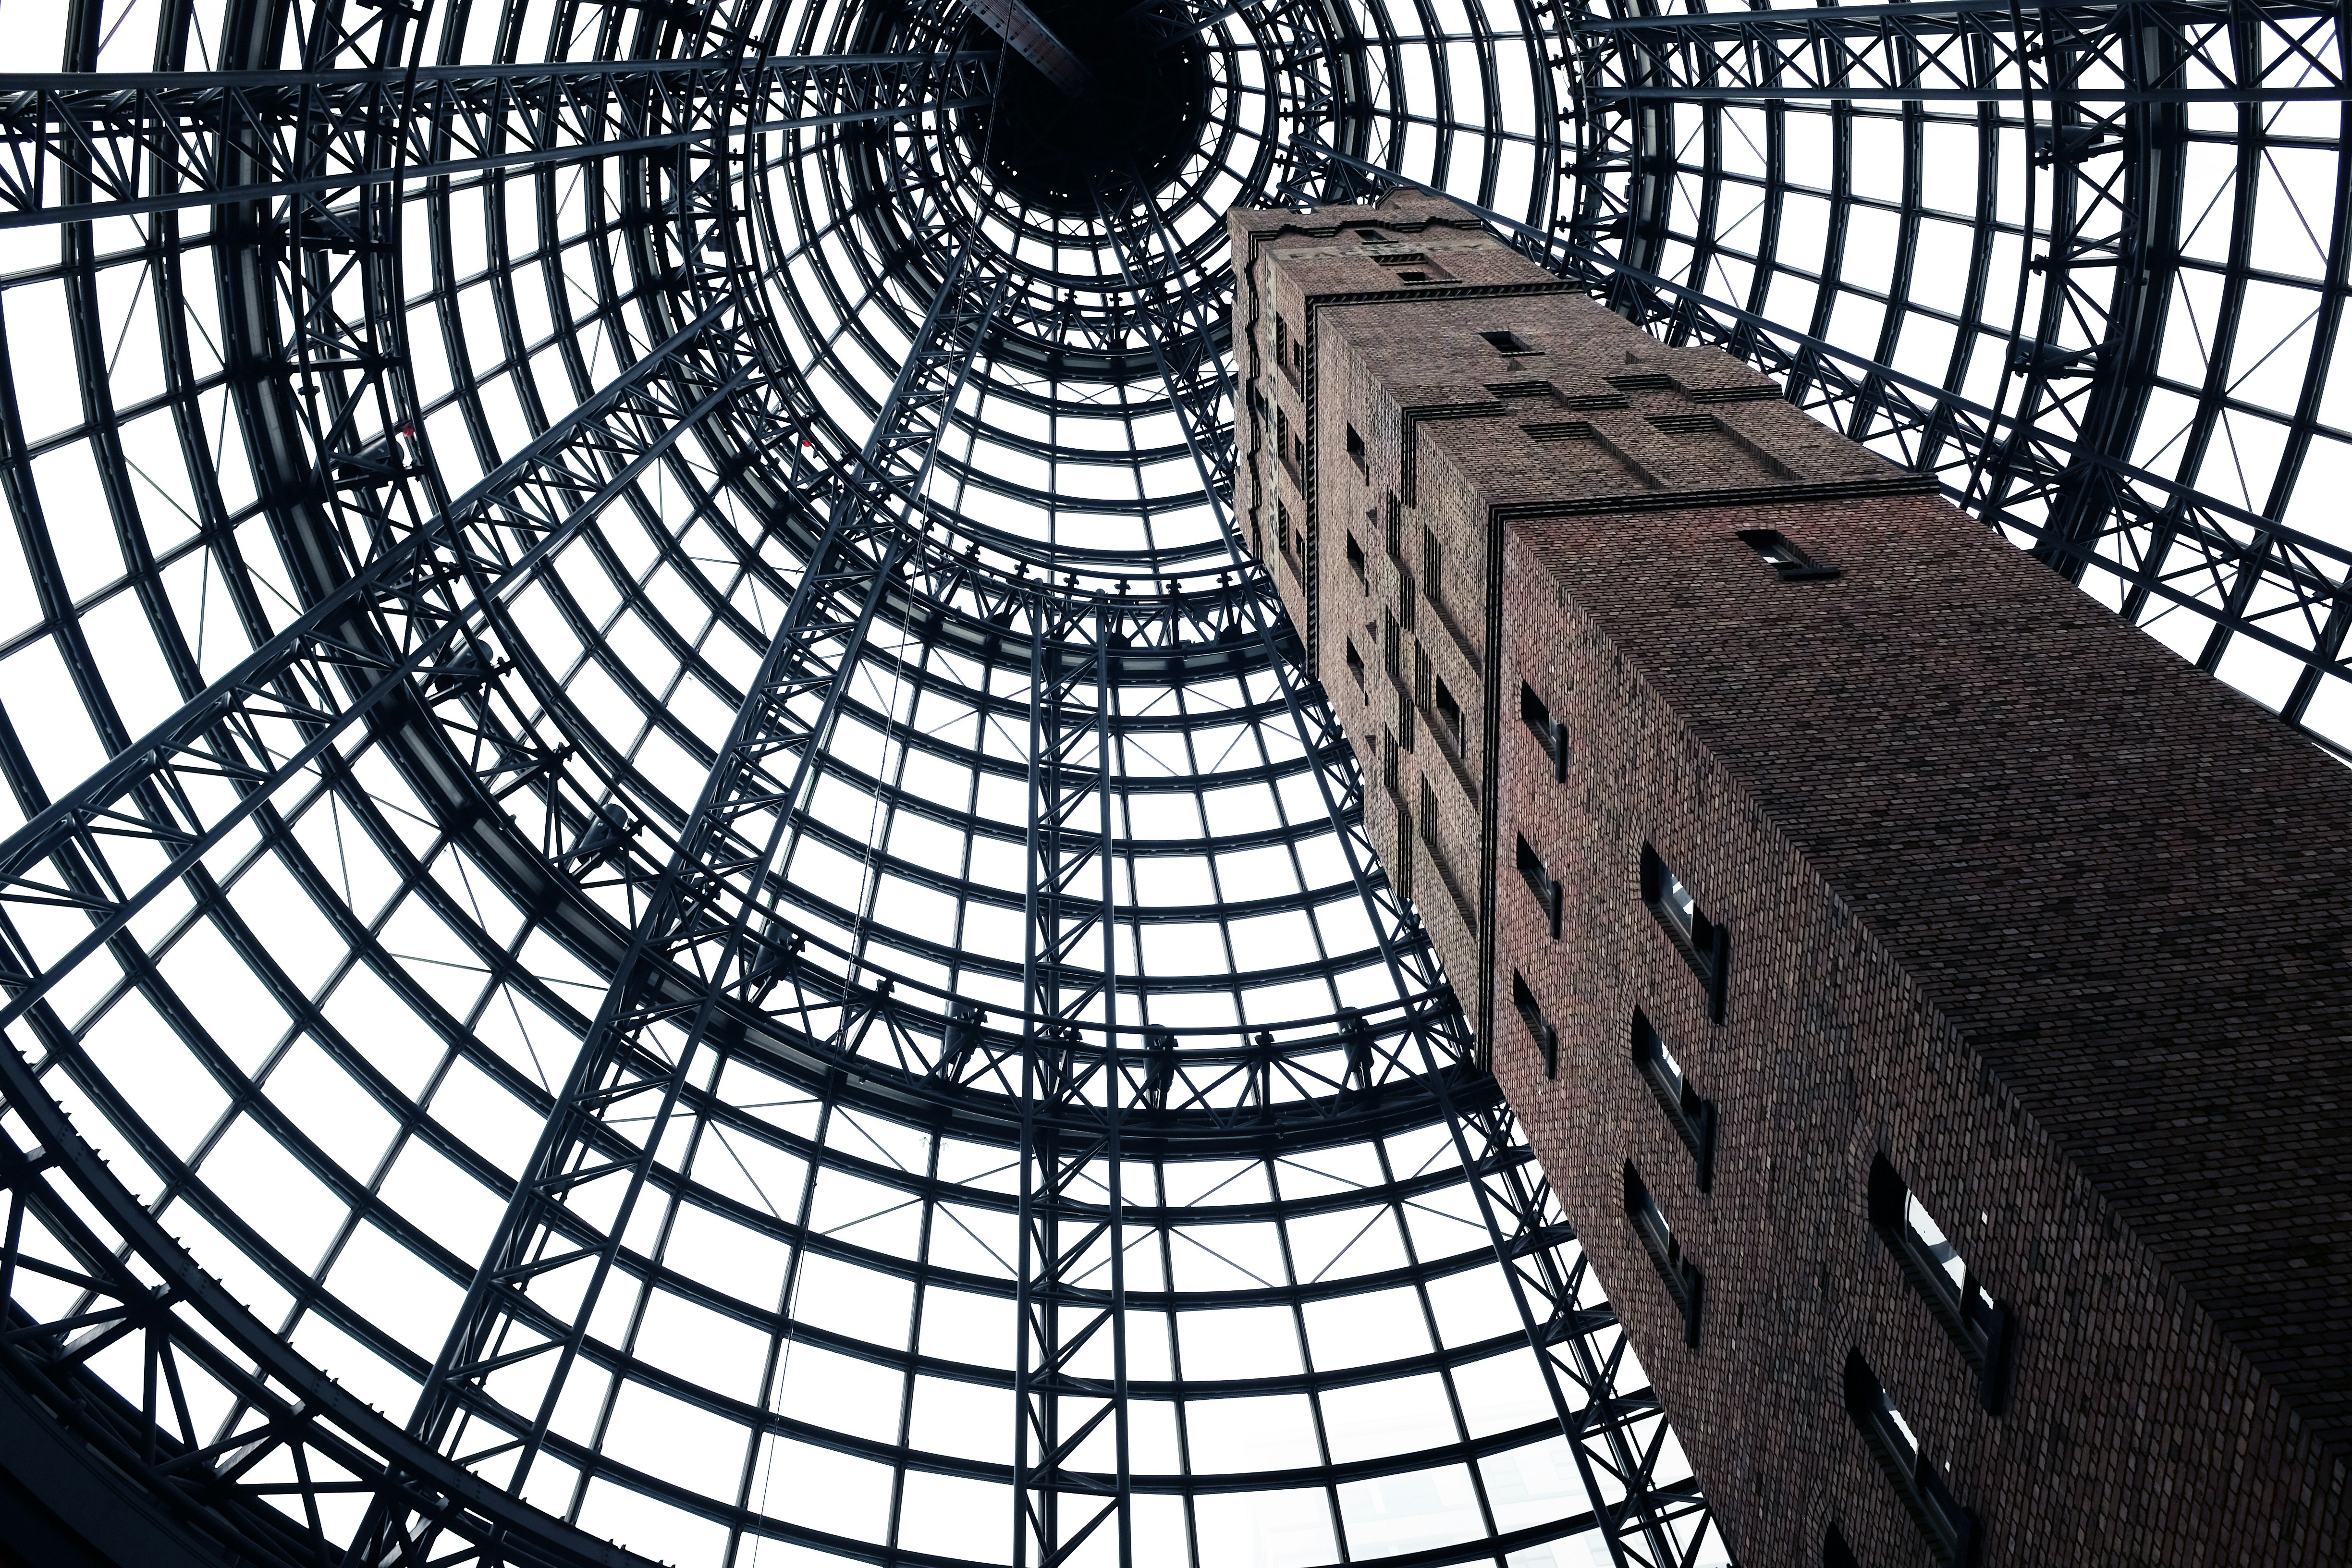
point(1929, 997)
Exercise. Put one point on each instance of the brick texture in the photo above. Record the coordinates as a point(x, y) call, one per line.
point(2054, 924)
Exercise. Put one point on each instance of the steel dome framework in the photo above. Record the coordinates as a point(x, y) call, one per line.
point(678, 884)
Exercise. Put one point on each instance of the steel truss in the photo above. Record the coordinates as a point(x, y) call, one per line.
point(1073, 1105)
point(75, 150)
point(1966, 51)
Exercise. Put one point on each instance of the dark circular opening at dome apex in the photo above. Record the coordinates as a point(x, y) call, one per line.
point(1138, 120)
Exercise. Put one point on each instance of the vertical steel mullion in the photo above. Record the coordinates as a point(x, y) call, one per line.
point(1114, 1094)
point(1055, 1083)
point(914, 1338)
point(1032, 964)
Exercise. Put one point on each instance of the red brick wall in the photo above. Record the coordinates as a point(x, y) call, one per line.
point(2058, 925)
point(2137, 1429)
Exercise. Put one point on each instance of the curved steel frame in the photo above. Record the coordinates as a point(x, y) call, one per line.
point(769, 202)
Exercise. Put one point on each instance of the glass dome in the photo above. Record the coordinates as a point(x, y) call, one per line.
point(675, 883)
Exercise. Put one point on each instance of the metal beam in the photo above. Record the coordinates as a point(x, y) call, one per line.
point(74, 148)
point(1033, 41)
point(1968, 53)
point(1855, 21)
point(1068, 1237)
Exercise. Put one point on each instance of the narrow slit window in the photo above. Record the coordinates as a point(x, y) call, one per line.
point(1355, 447)
point(1356, 564)
point(1549, 733)
point(1691, 1114)
point(1449, 712)
point(1980, 1326)
point(1546, 888)
point(1684, 1283)
point(1547, 1039)
point(1704, 943)
point(1794, 564)
point(1356, 665)
point(1949, 1529)
point(1509, 344)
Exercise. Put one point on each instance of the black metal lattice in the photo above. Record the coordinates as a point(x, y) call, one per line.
point(653, 778)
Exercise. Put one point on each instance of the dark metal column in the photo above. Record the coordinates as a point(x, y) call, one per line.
point(1072, 1100)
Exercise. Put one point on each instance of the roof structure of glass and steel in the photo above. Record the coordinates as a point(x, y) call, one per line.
point(674, 884)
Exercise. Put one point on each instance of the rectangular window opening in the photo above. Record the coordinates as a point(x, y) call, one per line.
point(1704, 946)
point(1547, 889)
point(1792, 563)
point(1449, 712)
point(1549, 733)
point(1690, 1114)
point(1403, 867)
point(1982, 1327)
point(1356, 564)
point(1355, 447)
point(1434, 843)
point(1356, 666)
point(1684, 1283)
point(1547, 1039)
point(1949, 1529)
point(1509, 344)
